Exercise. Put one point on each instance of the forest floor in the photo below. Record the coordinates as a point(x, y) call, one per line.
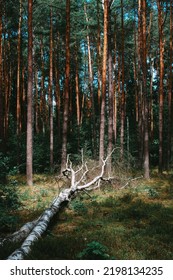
point(135, 222)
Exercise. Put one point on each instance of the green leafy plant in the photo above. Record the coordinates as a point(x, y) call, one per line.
point(94, 251)
point(79, 207)
point(152, 193)
point(4, 168)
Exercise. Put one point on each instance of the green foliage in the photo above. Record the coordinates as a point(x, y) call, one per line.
point(79, 207)
point(152, 193)
point(8, 197)
point(8, 222)
point(8, 200)
point(121, 223)
point(3, 168)
point(94, 251)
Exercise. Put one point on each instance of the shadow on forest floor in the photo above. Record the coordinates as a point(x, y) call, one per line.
point(133, 223)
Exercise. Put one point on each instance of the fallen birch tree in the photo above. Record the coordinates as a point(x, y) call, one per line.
point(32, 231)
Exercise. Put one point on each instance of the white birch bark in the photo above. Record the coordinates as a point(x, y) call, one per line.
point(35, 229)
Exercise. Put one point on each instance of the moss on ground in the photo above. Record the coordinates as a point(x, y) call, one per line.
point(133, 223)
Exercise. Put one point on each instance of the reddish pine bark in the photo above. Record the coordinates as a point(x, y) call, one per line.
point(122, 80)
point(110, 95)
point(170, 93)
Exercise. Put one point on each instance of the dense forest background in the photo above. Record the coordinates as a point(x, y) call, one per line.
point(100, 76)
point(86, 92)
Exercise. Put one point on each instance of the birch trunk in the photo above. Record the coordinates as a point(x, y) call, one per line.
point(36, 228)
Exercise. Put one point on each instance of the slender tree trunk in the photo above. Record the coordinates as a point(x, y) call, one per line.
point(78, 110)
point(151, 115)
point(18, 107)
point(144, 72)
point(90, 71)
point(29, 155)
point(122, 80)
point(8, 77)
point(111, 100)
point(77, 88)
point(51, 91)
point(98, 55)
point(161, 51)
point(42, 98)
point(23, 107)
point(104, 70)
point(1, 82)
point(66, 93)
point(136, 78)
point(140, 95)
point(114, 88)
point(170, 93)
point(36, 107)
point(57, 88)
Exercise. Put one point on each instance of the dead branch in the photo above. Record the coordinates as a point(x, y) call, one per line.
point(130, 180)
point(41, 225)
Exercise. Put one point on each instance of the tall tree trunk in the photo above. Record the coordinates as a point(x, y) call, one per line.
point(170, 93)
point(151, 115)
point(111, 100)
point(104, 70)
point(36, 107)
point(57, 87)
point(66, 93)
point(98, 55)
point(78, 111)
point(42, 98)
point(51, 91)
point(91, 89)
point(1, 82)
point(18, 107)
point(139, 86)
point(122, 80)
point(144, 72)
point(161, 74)
point(23, 107)
point(7, 91)
point(114, 86)
point(29, 155)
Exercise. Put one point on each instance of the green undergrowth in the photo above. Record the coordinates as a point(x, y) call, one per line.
point(110, 223)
